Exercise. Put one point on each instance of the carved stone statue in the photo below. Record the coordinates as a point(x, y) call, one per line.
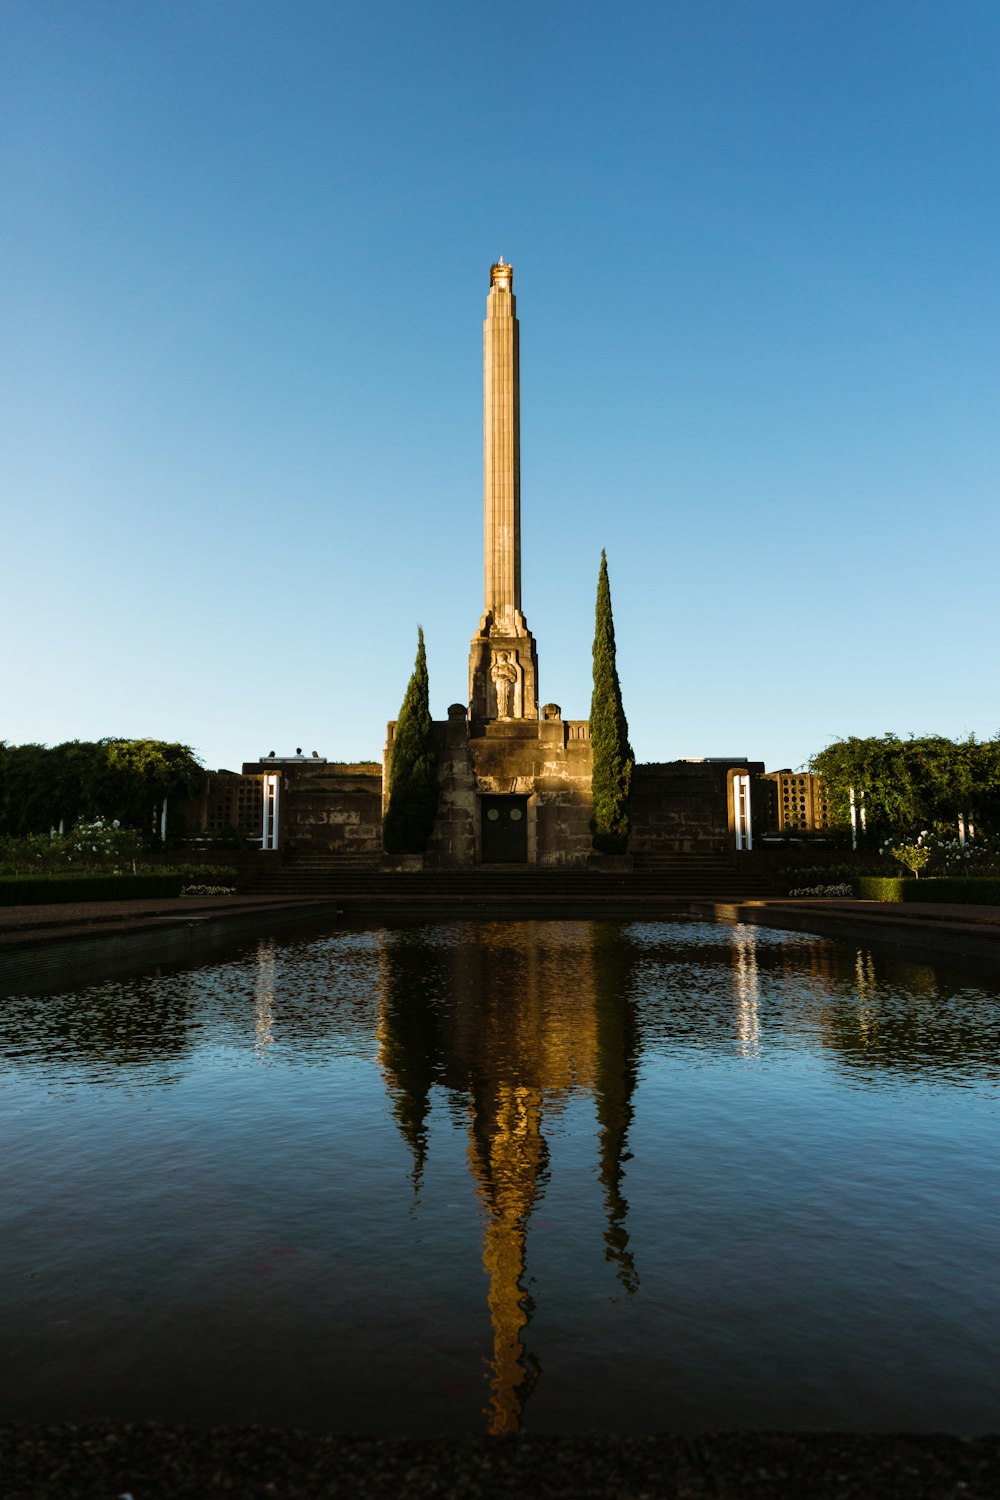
point(504, 675)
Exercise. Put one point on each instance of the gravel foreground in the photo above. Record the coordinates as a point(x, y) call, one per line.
point(151, 1462)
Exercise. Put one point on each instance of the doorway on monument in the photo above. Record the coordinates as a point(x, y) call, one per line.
point(504, 830)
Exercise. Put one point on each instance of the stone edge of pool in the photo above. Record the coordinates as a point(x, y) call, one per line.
point(45, 946)
point(154, 1462)
point(23, 928)
point(931, 929)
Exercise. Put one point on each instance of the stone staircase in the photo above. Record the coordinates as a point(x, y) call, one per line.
point(358, 883)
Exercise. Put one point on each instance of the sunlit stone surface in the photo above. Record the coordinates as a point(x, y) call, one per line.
point(558, 1176)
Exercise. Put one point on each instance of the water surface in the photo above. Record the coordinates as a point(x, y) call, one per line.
point(468, 1176)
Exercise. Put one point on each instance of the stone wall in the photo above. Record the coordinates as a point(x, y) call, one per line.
point(327, 807)
point(334, 809)
point(546, 760)
point(549, 761)
point(680, 807)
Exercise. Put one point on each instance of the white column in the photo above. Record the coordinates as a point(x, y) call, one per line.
point(269, 823)
point(742, 810)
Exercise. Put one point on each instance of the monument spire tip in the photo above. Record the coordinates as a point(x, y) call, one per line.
point(501, 274)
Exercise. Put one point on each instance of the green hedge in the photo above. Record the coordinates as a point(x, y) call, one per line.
point(33, 890)
point(970, 890)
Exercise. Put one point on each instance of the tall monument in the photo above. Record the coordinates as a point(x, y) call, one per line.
point(503, 661)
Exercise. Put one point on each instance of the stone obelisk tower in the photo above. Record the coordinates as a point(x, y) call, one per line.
point(503, 662)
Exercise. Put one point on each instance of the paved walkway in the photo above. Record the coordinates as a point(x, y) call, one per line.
point(97, 1462)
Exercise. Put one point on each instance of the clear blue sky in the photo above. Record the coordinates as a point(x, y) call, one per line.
point(246, 255)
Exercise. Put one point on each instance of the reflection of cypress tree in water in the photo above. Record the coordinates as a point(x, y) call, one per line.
point(408, 1033)
point(617, 1054)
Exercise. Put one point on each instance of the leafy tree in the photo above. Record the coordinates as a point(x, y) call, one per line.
point(413, 772)
point(42, 786)
point(142, 772)
point(25, 794)
point(613, 758)
point(914, 856)
point(913, 784)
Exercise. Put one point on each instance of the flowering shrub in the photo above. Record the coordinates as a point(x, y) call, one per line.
point(947, 855)
point(208, 890)
point(977, 856)
point(843, 888)
point(100, 843)
point(89, 846)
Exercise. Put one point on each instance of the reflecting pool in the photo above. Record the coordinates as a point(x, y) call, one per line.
point(483, 1176)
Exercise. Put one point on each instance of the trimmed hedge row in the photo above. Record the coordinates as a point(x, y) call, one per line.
point(970, 890)
point(32, 890)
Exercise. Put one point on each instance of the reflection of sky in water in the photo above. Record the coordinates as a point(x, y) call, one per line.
point(712, 1176)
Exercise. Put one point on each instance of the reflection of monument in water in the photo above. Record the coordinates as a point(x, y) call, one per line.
point(536, 1013)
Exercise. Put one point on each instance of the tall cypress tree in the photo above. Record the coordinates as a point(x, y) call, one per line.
point(613, 758)
point(413, 773)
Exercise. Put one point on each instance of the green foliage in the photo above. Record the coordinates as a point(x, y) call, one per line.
point(972, 890)
point(192, 870)
point(413, 770)
point(33, 890)
point(878, 887)
point(140, 773)
point(914, 856)
point(949, 856)
point(913, 784)
point(88, 846)
point(42, 786)
point(969, 891)
point(613, 757)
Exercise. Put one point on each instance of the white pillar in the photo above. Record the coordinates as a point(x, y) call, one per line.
point(742, 810)
point(269, 825)
point(163, 822)
point(854, 821)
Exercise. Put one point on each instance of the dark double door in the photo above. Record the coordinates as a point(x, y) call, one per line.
point(504, 830)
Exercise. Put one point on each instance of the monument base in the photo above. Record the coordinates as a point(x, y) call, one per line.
point(503, 669)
